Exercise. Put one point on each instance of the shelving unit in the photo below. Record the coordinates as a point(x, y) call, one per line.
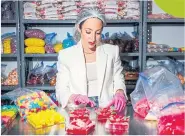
point(142, 26)
point(13, 57)
point(27, 58)
point(147, 33)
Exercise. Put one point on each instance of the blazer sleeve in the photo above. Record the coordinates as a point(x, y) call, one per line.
point(119, 80)
point(62, 81)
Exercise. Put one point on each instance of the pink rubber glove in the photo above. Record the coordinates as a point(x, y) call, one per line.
point(119, 101)
point(81, 99)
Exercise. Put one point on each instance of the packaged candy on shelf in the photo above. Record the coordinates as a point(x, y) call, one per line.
point(50, 74)
point(30, 101)
point(81, 113)
point(49, 48)
point(117, 125)
point(12, 78)
point(104, 113)
point(68, 42)
point(45, 118)
point(50, 38)
point(34, 42)
point(35, 33)
point(58, 47)
point(36, 75)
point(81, 127)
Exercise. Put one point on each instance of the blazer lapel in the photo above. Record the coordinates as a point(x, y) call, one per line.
point(81, 65)
point(101, 59)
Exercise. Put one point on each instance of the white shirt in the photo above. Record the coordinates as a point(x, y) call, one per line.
point(92, 81)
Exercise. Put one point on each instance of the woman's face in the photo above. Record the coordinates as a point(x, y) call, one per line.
point(91, 32)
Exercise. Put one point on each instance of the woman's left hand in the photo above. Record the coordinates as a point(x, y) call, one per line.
point(119, 101)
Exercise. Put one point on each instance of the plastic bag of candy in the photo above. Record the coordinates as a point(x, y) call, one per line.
point(36, 75)
point(49, 48)
point(35, 33)
point(117, 125)
point(12, 78)
point(156, 88)
point(29, 101)
point(50, 74)
point(50, 38)
point(68, 42)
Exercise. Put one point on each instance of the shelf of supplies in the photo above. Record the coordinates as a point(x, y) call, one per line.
point(166, 21)
point(8, 87)
point(8, 55)
point(8, 21)
point(129, 54)
point(127, 21)
point(166, 54)
point(33, 21)
point(54, 55)
point(41, 87)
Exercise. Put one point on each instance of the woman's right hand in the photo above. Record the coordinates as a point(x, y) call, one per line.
point(81, 99)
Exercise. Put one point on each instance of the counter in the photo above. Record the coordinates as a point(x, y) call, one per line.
point(137, 126)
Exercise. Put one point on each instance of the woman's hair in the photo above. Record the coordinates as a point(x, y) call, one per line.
point(83, 16)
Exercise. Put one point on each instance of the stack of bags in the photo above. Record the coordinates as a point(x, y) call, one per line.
point(30, 10)
point(51, 10)
point(34, 42)
point(85, 4)
point(63, 9)
point(8, 45)
point(132, 10)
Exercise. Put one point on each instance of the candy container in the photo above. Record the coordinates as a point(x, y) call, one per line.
point(81, 127)
point(104, 113)
point(45, 118)
point(82, 113)
point(117, 124)
point(29, 101)
point(8, 113)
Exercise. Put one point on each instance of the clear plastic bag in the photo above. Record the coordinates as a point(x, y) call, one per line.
point(36, 75)
point(155, 89)
point(29, 101)
point(50, 74)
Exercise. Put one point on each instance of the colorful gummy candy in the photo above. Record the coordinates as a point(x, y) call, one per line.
point(8, 113)
point(117, 125)
point(33, 103)
point(82, 113)
point(45, 118)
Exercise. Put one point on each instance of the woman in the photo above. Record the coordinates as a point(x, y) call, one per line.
point(90, 68)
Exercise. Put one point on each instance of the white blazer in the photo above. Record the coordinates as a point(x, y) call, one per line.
point(72, 78)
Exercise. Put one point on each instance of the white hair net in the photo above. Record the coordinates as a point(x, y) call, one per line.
point(84, 15)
